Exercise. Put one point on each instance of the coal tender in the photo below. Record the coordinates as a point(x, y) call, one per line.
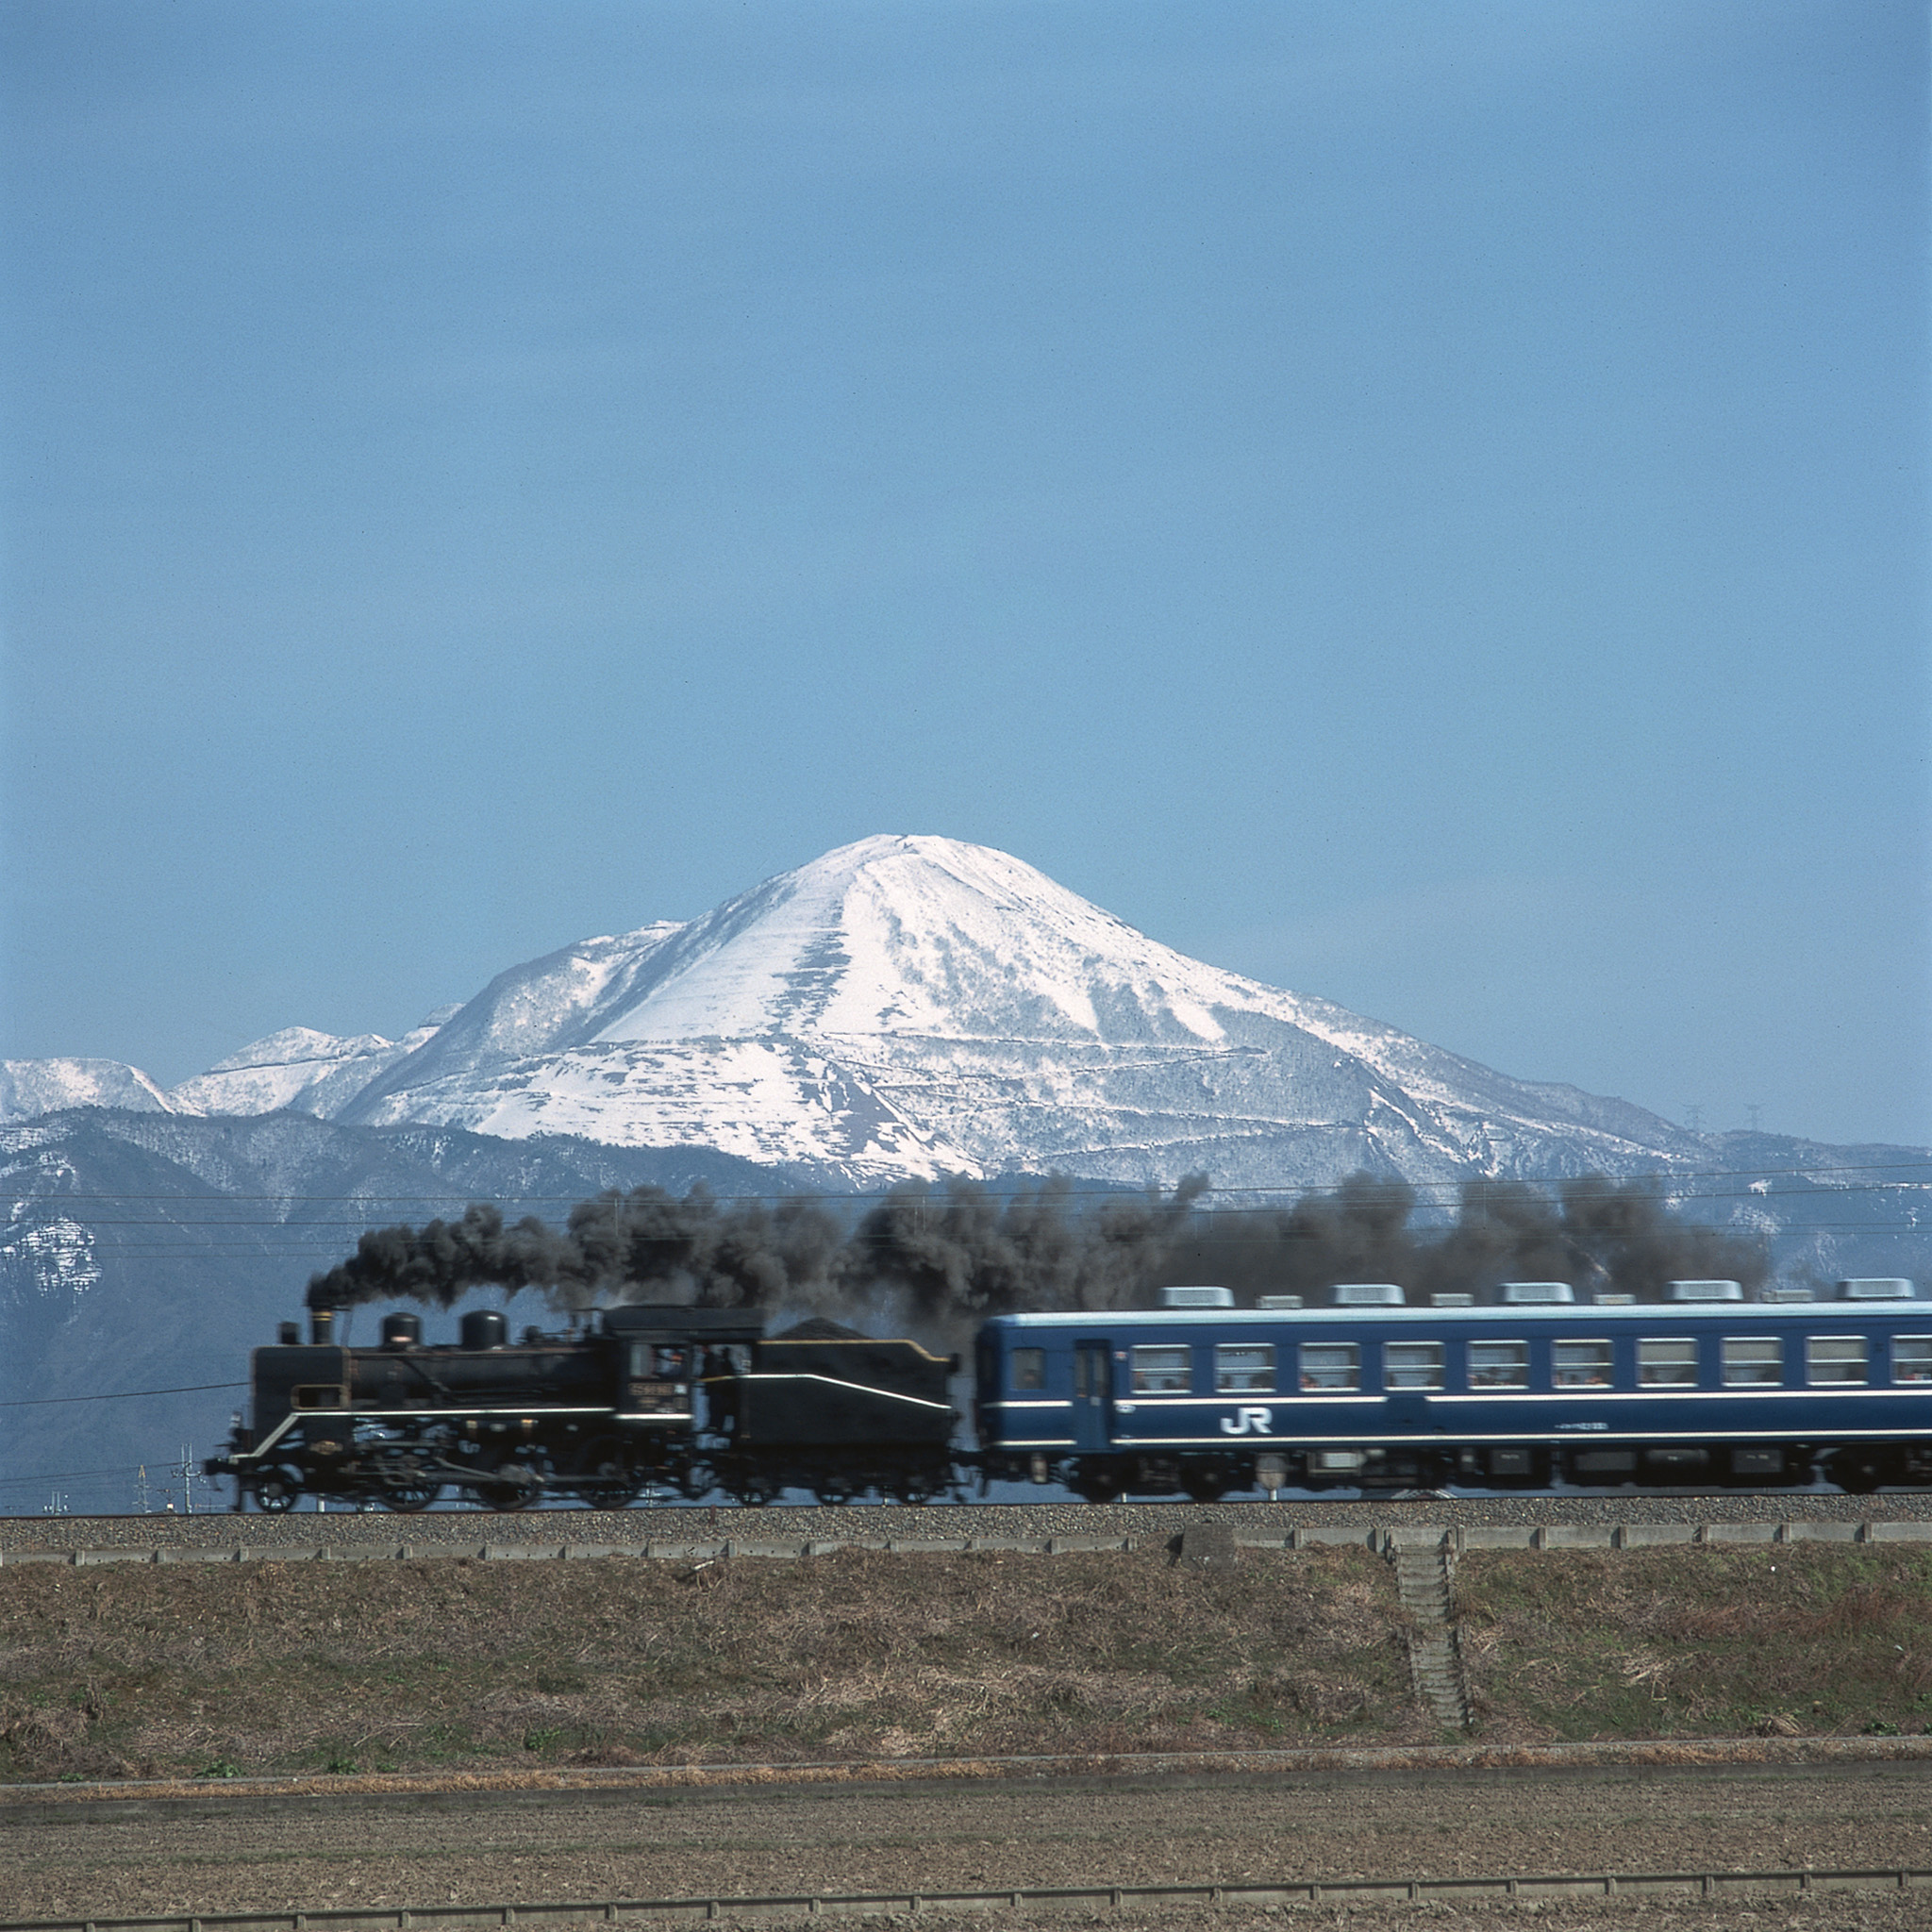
point(678, 1401)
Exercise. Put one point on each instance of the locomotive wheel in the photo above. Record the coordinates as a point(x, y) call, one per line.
point(406, 1499)
point(610, 1495)
point(277, 1491)
point(917, 1486)
point(606, 1480)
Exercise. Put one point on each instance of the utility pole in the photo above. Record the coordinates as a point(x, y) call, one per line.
point(186, 1469)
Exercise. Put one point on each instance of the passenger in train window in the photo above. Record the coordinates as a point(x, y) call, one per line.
point(1580, 1364)
point(1912, 1359)
point(1331, 1367)
point(1499, 1365)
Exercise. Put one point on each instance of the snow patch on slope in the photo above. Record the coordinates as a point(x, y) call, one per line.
point(36, 1087)
point(908, 1004)
point(300, 1069)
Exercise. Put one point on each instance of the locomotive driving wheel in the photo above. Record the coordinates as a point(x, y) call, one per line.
point(405, 1498)
point(605, 1478)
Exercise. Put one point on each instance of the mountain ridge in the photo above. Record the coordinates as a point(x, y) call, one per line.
point(909, 1006)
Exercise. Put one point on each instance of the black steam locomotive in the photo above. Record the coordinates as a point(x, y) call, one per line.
point(677, 1400)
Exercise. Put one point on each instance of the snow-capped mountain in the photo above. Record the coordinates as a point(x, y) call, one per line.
point(36, 1087)
point(913, 1006)
point(907, 1006)
point(299, 1069)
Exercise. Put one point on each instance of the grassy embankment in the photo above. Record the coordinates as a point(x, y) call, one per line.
point(454, 1664)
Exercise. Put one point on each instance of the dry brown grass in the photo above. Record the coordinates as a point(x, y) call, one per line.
point(1773, 1640)
point(454, 1663)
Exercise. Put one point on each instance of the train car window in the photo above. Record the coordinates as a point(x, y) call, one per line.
point(1030, 1370)
point(1331, 1366)
point(1751, 1361)
point(1499, 1365)
point(1244, 1368)
point(1667, 1362)
point(1159, 1370)
point(1834, 1359)
point(1911, 1357)
point(319, 1395)
point(1580, 1364)
point(1412, 1364)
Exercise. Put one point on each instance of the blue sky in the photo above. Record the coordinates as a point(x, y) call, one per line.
point(1423, 504)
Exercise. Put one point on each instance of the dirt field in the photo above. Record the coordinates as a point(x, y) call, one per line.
point(231, 1853)
point(454, 1666)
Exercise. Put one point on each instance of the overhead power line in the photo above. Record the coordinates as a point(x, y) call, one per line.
point(121, 1394)
point(1672, 1177)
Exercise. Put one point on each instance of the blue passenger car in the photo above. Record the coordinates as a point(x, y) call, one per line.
point(1207, 1401)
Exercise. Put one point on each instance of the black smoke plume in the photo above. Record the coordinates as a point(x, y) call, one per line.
point(950, 1255)
point(960, 1252)
point(443, 1262)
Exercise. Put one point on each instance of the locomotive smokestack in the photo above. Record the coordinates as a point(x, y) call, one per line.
point(322, 1327)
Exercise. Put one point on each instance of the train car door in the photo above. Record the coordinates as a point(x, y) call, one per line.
point(1093, 1396)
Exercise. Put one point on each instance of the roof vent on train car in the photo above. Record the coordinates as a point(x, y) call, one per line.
point(1278, 1301)
point(1451, 1300)
point(1368, 1295)
point(1704, 1291)
point(1197, 1297)
point(1876, 1289)
point(1614, 1301)
point(401, 1329)
point(1525, 1294)
point(1783, 1295)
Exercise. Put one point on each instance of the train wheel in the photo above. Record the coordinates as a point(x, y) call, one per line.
point(277, 1491)
point(1858, 1471)
point(607, 1479)
point(918, 1485)
point(1205, 1483)
point(406, 1499)
point(610, 1495)
point(1097, 1483)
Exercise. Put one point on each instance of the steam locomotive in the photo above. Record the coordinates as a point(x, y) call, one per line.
point(675, 1400)
point(1198, 1398)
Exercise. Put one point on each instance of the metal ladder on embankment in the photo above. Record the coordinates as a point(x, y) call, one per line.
point(1423, 1579)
